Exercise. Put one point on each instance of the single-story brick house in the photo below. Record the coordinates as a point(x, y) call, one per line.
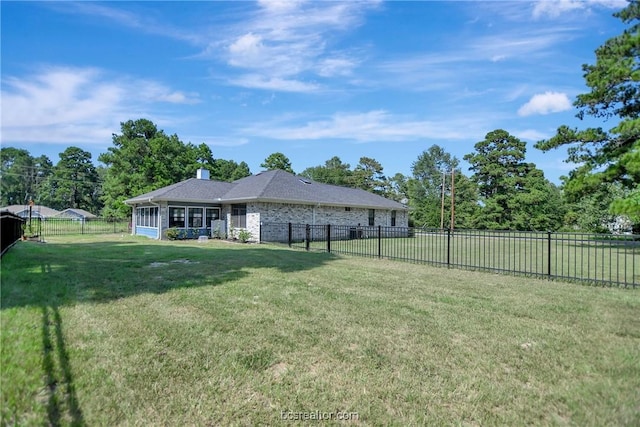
point(273, 196)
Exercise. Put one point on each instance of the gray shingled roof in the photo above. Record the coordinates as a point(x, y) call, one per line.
point(23, 210)
point(191, 190)
point(272, 186)
point(74, 213)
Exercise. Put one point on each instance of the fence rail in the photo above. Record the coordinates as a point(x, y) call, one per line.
point(612, 260)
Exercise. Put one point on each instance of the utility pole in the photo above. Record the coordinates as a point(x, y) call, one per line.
point(453, 200)
point(442, 203)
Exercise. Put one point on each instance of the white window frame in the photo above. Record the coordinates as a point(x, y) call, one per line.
point(147, 216)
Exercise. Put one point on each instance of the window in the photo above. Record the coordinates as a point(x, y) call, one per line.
point(176, 217)
point(239, 216)
point(347, 209)
point(212, 215)
point(195, 217)
point(147, 217)
point(153, 217)
point(393, 218)
point(372, 217)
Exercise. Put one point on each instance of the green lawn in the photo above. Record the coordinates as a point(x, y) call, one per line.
point(106, 330)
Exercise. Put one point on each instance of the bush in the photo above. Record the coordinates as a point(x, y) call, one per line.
point(244, 235)
point(217, 232)
point(174, 234)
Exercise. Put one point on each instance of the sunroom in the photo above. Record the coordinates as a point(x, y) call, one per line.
point(176, 220)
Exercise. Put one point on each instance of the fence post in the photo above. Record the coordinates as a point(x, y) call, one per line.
point(290, 237)
point(549, 253)
point(82, 228)
point(448, 246)
point(307, 236)
point(379, 241)
point(329, 238)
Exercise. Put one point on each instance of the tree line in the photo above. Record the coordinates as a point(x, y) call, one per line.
point(503, 191)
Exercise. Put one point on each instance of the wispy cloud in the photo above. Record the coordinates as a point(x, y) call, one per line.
point(284, 42)
point(545, 103)
point(370, 126)
point(143, 22)
point(71, 105)
point(258, 81)
point(482, 58)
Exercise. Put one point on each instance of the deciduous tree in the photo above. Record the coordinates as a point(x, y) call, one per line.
point(73, 182)
point(143, 159)
point(21, 176)
point(426, 186)
point(333, 172)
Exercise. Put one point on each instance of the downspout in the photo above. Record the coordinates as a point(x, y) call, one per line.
point(159, 236)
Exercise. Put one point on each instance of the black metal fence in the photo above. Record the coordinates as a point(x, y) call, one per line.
point(11, 228)
point(604, 259)
point(43, 227)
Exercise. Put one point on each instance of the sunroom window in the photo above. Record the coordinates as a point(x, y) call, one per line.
point(147, 217)
point(176, 217)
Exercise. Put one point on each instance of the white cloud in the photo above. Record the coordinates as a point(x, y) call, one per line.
point(530, 134)
point(556, 8)
point(76, 105)
point(545, 103)
point(255, 81)
point(245, 50)
point(286, 40)
point(336, 67)
point(376, 125)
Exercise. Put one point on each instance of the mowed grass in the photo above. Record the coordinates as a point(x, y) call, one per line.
point(116, 330)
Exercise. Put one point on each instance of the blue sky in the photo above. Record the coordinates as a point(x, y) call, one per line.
point(309, 79)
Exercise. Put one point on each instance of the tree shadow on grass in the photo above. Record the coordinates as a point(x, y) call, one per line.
point(59, 387)
point(51, 276)
point(66, 274)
